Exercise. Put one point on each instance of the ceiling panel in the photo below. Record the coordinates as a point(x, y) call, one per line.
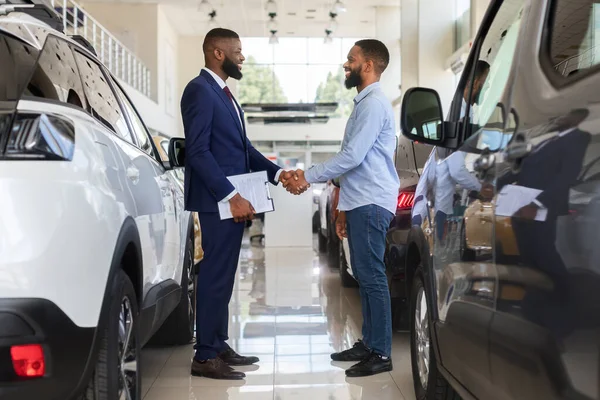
point(300, 18)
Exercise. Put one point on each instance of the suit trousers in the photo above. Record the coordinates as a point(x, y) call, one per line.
point(222, 242)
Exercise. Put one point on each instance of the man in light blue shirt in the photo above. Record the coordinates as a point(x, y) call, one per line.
point(368, 199)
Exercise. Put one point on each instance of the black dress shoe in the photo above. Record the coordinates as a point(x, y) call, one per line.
point(230, 357)
point(215, 369)
point(357, 353)
point(372, 365)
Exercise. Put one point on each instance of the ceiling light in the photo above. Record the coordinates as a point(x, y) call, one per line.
point(274, 39)
point(205, 7)
point(328, 38)
point(338, 7)
point(332, 25)
point(271, 7)
point(213, 24)
point(272, 25)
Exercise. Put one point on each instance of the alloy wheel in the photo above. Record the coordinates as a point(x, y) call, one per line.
point(421, 337)
point(128, 357)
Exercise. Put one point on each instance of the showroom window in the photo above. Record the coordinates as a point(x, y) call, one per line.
point(297, 70)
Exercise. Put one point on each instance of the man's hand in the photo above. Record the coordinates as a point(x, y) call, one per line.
point(528, 212)
point(241, 209)
point(297, 184)
point(286, 176)
point(340, 226)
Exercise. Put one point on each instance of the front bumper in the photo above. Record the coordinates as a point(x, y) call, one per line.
point(67, 350)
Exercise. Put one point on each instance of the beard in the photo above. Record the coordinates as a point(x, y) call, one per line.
point(354, 79)
point(231, 69)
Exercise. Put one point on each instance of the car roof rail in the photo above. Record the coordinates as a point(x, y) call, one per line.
point(41, 12)
point(85, 43)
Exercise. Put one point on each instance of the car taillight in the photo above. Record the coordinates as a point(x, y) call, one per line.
point(406, 200)
point(39, 136)
point(28, 360)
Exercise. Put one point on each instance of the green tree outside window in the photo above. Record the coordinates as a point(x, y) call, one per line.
point(333, 90)
point(259, 85)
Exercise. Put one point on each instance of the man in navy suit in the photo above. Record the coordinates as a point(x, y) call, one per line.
point(217, 147)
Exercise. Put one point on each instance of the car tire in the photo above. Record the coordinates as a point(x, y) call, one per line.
point(322, 242)
point(348, 280)
point(429, 385)
point(316, 222)
point(179, 327)
point(333, 253)
point(122, 331)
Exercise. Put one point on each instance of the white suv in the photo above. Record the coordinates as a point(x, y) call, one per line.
point(96, 249)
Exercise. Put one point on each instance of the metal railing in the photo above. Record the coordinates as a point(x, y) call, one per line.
point(121, 61)
point(585, 59)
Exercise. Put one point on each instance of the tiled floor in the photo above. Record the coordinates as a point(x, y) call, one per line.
point(289, 309)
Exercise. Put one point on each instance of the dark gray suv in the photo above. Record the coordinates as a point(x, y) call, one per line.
point(505, 264)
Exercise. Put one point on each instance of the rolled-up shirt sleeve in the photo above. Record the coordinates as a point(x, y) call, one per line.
point(368, 120)
point(459, 172)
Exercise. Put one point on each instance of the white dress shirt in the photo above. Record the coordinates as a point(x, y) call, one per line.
point(222, 85)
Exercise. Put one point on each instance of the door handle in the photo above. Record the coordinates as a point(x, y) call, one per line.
point(133, 174)
point(518, 149)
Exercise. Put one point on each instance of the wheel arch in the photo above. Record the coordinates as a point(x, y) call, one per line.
point(127, 256)
point(419, 254)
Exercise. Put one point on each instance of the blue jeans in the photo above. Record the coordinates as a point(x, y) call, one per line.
point(367, 227)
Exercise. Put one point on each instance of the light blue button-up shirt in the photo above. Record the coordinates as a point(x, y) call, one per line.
point(365, 164)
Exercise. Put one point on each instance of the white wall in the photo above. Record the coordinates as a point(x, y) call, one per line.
point(427, 42)
point(167, 82)
point(148, 33)
point(135, 25)
point(388, 31)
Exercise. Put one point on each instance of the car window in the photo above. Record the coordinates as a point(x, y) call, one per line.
point(574, 36)
point(55, 76)
point(17, 60)
point(139, 129)
point(493, 64)
point(102, 101)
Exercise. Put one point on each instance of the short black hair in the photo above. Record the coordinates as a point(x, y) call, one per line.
point(215, 34)
point(481, 67)
point(375, 51)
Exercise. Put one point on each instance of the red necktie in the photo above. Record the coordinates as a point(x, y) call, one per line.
point(228, 93)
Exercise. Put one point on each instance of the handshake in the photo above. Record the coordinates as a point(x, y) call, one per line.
point(294, 181)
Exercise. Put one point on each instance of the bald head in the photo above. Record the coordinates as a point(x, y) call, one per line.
point(223, 53)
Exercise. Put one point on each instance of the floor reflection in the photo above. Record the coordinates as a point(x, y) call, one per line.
point(289, 309)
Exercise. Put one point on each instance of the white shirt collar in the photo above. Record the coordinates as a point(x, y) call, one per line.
point(216, 77)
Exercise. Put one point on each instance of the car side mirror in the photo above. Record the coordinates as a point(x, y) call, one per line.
point(421, 116)
point(177, 152)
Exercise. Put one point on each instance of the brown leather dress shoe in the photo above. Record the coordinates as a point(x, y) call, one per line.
point(232, 358)
point(215, 369)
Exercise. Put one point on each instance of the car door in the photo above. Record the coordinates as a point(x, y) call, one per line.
point(134, 167)
point(544, 335)
point(166, 226)
point(465, 276)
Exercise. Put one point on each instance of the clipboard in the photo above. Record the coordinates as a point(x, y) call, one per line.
point(254, 187)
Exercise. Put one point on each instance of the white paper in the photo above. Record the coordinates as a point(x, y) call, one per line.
point(513, 197)
point(253, 187)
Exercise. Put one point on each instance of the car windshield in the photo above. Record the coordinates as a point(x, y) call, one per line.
point(17, 61)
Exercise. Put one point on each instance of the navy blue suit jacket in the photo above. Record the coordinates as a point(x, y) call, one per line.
point(216, 145)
